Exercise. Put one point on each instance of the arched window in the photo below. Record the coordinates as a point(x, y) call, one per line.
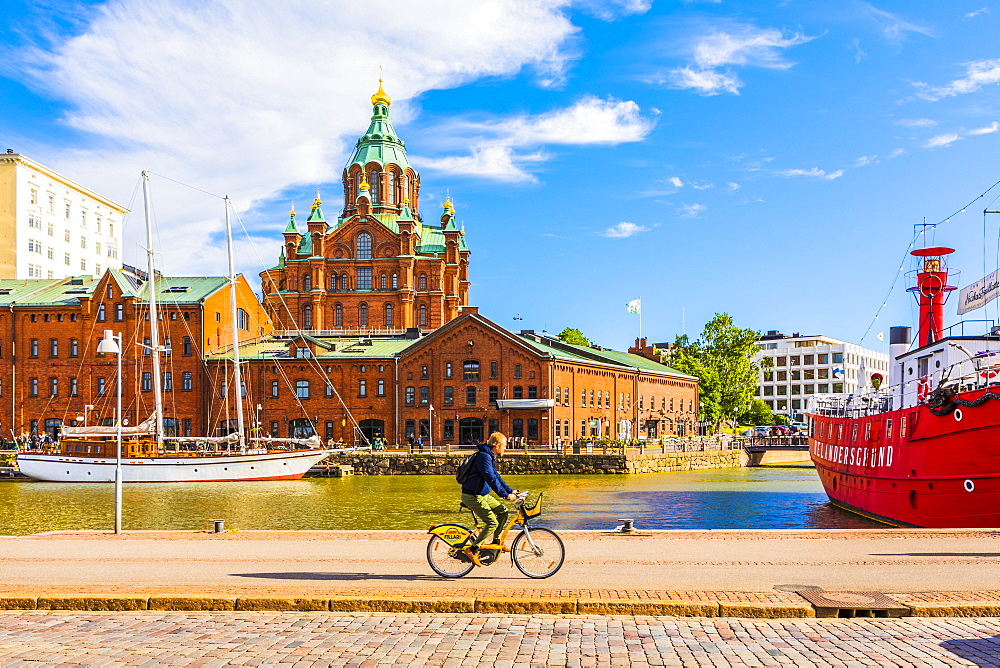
point(384, 283)
point(391, 188)
point(422, 282)
point(344, 285)
point(373, 183)
point(307, 282)
point(388, 315)
point(307, 317)
point(363, 315)
point(364, 246)
point(423, 315)
point(302, 389)
point(333, 281)
point(395, 281)
point(338, 316)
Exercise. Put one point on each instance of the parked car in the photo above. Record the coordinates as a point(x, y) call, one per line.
point(803, 427)
point(762, 430)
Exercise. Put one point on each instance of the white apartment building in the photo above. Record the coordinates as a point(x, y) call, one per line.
point(803, 366)
point(52, 227)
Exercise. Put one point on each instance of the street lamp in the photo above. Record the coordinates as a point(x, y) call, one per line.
point(112, 344)
point(430, 427)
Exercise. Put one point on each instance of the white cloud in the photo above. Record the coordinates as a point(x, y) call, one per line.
point(734, 186)
point(982, 10)
point(589, 121)
point(866, 160)
point(893, 27)
point(676, 182)
point(702, 186)
point(256, 98)
point(978, 73)
point(624, 230)
point(609, 10)
point(989, 129)
point(691, 210)
point(742, 45)
point(859, 53)
point(897, 152)
point(814, 171)
point(942, 140)
point(916, 123)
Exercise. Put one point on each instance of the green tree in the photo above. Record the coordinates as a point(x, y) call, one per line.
point(723, 358)
point(574, 337)
point(758, 413)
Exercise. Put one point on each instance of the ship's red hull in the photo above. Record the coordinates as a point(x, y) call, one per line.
point(910, 467)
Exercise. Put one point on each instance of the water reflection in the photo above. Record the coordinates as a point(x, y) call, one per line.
point(752, 498)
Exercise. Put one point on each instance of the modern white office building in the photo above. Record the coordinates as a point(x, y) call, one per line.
point(52, 227)
point(803, 366)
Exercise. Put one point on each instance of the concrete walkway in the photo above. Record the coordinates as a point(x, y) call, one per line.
point(701, 573)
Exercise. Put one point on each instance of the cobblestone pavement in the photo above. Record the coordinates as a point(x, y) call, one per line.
point(501, 641)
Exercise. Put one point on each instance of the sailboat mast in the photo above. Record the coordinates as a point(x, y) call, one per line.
point(154, 325)
point(234, 325)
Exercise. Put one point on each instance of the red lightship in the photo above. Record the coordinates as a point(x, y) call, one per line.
point(925, 450)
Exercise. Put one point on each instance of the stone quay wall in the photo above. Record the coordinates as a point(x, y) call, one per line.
point(381, 463)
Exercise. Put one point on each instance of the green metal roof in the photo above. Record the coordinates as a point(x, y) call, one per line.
point(345, 348)
point(569, 352)
point(380, 143)
point(38, 291)
point(184, 289)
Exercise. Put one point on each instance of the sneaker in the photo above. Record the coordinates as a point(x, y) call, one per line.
point(472, 552)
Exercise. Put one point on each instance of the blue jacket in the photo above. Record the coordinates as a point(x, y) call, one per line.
point(483, 477)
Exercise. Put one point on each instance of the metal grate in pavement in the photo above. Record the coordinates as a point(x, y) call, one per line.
point(854, 604)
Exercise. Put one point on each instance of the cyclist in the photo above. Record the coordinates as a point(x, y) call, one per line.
point(476, 493)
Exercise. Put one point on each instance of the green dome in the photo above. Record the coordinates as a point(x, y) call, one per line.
point(380, 143)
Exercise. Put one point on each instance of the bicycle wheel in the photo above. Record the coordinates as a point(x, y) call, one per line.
point(447, 561)
point(542, 560)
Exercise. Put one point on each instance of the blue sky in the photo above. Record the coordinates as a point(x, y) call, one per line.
point(764, 159)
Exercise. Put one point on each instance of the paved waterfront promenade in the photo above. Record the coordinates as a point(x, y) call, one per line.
point(691, 598)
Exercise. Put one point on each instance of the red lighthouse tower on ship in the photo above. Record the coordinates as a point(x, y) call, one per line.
point(932, 291)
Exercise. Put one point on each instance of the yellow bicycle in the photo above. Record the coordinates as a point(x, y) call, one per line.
point(536, 551)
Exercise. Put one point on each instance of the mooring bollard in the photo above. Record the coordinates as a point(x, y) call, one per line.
point(628, 525)
point(220, 526)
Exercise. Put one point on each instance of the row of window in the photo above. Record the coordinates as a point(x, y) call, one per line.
point(68, 213)
point(187, 347)
point(471, 394)
point(363, 280)
point(804, 374)
point(391, 190)
point(103, 386)
point(826, 358)
point(35, 246)
point(783, 390)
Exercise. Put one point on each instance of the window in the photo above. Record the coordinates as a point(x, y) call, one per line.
point(364, 246)
point(838, 358)
point(380, 388)
point(532, 391)
point(67, 212)
point(146, 347)
point(34, 221)
point(34, 246)
point(66, 259)
point(119, 312)
point(449, 395)
point(494, 394)
point(395, 281)
point(388, 313)
point(823, 359)
point(147, 381)
point(411, 428)
point(83, 242)
point(591, 398)
point(307, 282)
point(363, 315)
point(101, 386)
point(52, 204)
point(97, 247)
point(517, 427)
point(168, 381)
point(302, 389)
point(33, 348)
point(422, 282)
point(449, 430)
point(53, 387)
point(373, 183)
point(83, 265)
point(470, 396)
point(53, 347)
point(583, 398)
point(187, 381)
point(112, 251)
point(274, 389)
point(364, 278)
point(302, 352)
point(51, 230)
point(74, 387)
point(425, 395)
point(242, 319)
point(33, 387)
point(470, 370)
point(338, 316)
point(74, 348)
point(447, 370)
point(410, 396)
point(423, 315)
point(34, 196)
point(186, 344)
point(518, 392)
point(532, 429)
point(362, 388)
point(100, 313)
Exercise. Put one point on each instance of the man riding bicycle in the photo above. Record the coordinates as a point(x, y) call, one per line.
point(483, 477)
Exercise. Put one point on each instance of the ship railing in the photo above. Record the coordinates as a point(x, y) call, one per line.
point(853, 407)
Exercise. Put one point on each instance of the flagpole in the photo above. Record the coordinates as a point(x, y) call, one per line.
point(640, 316)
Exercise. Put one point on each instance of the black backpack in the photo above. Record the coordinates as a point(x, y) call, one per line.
point(465, 468)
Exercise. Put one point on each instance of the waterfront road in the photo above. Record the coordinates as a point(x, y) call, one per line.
point(891, 560)
point(487, 641)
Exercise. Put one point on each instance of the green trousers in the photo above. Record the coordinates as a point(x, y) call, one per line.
point(491, 511)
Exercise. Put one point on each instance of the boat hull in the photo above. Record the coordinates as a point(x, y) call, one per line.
point(912, 467)
point(290, 465)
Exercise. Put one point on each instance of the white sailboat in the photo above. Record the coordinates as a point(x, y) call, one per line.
point(89, 453)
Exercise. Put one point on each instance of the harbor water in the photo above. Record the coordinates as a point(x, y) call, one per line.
point(788, 497)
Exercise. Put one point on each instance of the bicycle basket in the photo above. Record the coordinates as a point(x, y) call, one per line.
point(534, 510)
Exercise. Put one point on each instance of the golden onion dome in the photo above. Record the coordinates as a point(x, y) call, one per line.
point(380, 97)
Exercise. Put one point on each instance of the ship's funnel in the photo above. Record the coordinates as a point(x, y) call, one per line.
point(931, 290)
point(899, 341)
